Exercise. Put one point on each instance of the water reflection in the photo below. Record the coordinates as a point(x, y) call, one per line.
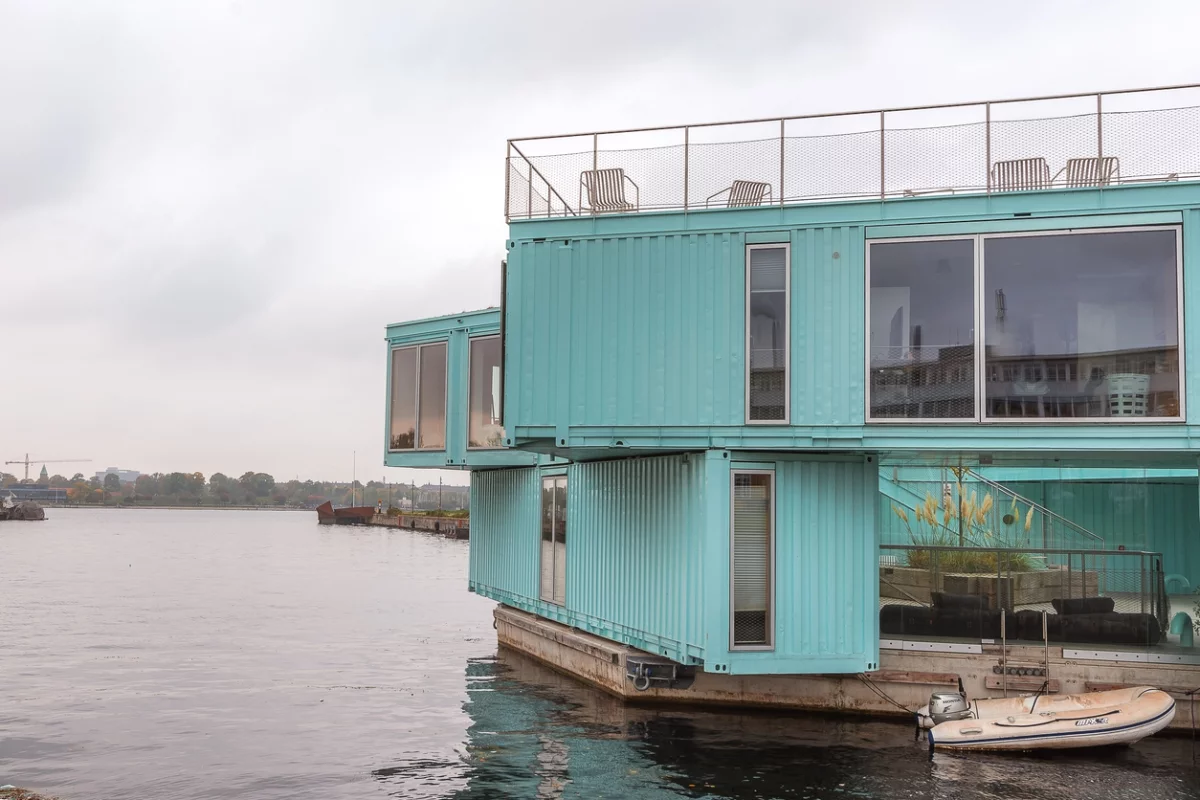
point(536, 734)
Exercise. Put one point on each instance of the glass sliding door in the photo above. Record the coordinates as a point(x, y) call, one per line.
point(752, 555)
point(552, 586)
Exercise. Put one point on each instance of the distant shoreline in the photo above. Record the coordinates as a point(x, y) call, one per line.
point(176, 508)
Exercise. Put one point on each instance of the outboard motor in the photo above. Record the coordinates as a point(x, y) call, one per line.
point(948, 706)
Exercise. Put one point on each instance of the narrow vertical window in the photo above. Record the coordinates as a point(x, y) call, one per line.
point(483, 427)
point(553, 573)
point(752, 554)
point(767, 390)
point(402, 433)
point(431, 410)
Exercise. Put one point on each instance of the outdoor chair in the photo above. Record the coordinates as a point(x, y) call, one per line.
point(1090, 171)
point(743, 194)
point(1020, 174)
point(606, 191)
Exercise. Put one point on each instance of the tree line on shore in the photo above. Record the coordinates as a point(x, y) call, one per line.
point(251, 489)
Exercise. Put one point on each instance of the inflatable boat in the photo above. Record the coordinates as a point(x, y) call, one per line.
point(1120, 716)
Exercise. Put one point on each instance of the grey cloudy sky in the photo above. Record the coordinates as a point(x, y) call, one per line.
point(210, 210)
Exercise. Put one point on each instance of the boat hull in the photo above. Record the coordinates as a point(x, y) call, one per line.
point(1096, 719)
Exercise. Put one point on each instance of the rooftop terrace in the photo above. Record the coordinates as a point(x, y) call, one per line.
point(1062, 141)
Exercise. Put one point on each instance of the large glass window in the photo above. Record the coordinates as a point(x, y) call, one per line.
point(484, 429)
point(1082, 325)
point(418, 402)
point(404, 399)
point(751, 623)
point(992, 327)
point(553, 573)
point(431, 410)
point(767, 333)
point(922, 329)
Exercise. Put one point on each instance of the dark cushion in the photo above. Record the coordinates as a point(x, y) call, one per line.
point(1029, 626)
point(898, 620)
point(973, 602)
point(1111, 628)
point(1083, 605)
point(964, 623)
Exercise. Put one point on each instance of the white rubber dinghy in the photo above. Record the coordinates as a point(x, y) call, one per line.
point(1120, 716)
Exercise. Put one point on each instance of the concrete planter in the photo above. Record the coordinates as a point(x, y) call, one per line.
point(1012, 590)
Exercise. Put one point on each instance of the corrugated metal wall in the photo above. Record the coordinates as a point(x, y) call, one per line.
point(650, 330)
point(826, 572)
point(828, 346)
point(505, 516)
point(827, 561)
point(635, 535)
point(635, 531)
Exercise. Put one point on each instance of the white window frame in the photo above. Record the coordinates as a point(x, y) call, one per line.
point(470, 371)
point(980, 332)
point(787, 333)
point(771, 638)
point(416, 448)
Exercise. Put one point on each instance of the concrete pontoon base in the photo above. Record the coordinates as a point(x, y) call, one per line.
point(902, 684)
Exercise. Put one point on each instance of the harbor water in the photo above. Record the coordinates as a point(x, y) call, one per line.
point(253, 654)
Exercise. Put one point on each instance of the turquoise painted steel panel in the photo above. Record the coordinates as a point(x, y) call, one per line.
point(634, 551)
point(505, 535)
point(650, 330)
point(628, 331)
point(642, 331)
point(828, 350)
point(826, 569)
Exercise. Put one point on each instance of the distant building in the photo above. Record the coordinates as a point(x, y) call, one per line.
point(125, 475)
point(38, 492)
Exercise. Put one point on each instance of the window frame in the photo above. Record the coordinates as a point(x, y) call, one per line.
point(770, 625)
point(787, 332)
point(975, 277)
point(980, 333)
point(416, 388)
point(470, 371)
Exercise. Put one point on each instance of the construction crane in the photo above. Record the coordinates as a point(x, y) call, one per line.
point(27, 461)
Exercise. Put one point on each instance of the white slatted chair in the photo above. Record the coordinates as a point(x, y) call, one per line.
point(743, 194)
point(1020, 174)
point(1090, 171)
point(606, 191)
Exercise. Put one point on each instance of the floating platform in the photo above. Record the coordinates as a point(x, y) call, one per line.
point(909, 672)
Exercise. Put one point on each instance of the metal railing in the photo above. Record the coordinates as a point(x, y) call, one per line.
point(1070, 140)
point(1097, 596)
point(974, 511)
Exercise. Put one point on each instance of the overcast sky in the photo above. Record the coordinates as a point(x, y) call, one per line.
point(210, 210)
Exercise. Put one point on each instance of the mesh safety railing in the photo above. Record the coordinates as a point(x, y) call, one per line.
point(1067, 141)
point(1103, 597)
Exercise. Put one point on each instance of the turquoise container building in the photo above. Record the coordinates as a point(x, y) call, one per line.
point(726, 377)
